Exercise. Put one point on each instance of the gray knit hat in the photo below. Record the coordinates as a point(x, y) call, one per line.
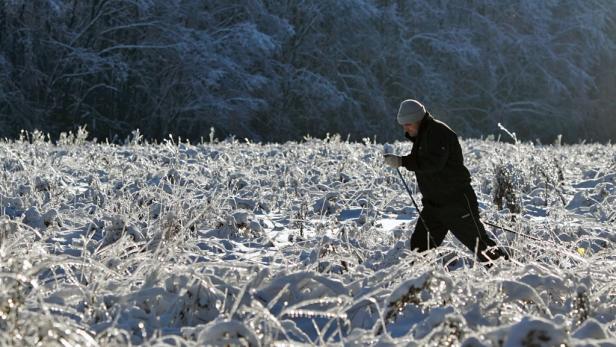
point(410, 111)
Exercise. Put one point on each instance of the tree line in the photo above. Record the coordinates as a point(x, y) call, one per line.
point(276, 70)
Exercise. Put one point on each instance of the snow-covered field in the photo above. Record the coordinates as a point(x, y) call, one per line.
point(298, 243)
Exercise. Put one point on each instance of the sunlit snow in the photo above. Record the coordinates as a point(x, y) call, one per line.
point(236, 243)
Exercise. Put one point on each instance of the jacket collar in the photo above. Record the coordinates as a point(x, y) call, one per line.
point(425, 121)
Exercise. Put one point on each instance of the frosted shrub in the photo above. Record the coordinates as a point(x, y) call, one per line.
point(505, 189)
point(228, 333)
point(73, 139)
point(175, 244)
point(115, 228)
point(197, 301)
point(326, 204)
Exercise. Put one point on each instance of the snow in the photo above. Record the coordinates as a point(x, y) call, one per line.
point(536, 332)
point(296, 243)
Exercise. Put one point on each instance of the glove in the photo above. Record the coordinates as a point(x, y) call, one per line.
point(393, 161)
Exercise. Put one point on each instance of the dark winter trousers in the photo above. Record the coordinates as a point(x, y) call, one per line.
point(460, 215)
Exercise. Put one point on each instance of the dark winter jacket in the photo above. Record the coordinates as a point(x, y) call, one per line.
point(436, 159)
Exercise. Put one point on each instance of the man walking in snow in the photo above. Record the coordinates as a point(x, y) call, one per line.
point(449, 202)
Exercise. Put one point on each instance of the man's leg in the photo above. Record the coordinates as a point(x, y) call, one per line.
point(431, 237)
point(465, 225)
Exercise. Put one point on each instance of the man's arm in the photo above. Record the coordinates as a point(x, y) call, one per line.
point(435, 158)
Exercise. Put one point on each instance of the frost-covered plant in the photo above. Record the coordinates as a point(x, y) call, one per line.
point(78, 138)
point(173, 243)
point(505, 189)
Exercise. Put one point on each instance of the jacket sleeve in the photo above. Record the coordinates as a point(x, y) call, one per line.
point(435, 156)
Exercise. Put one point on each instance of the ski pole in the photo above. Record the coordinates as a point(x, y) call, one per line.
point(408, 190)
point(414, 203)
point(513, 232)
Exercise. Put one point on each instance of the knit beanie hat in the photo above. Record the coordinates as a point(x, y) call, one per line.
point(410, 111)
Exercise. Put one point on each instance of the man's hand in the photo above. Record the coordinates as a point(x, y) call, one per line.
point(393, 161)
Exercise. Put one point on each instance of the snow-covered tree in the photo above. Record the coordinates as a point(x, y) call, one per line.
point(277, 70)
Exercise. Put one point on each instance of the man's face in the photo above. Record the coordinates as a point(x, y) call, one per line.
point(411, 128)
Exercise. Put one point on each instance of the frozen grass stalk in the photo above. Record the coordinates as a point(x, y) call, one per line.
point(175, 244)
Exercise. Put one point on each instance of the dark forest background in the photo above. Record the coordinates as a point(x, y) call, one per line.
point(276, 70)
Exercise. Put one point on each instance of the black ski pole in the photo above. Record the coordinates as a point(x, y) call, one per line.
point(413, 199)
point(407, 189)
point(513, 232)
